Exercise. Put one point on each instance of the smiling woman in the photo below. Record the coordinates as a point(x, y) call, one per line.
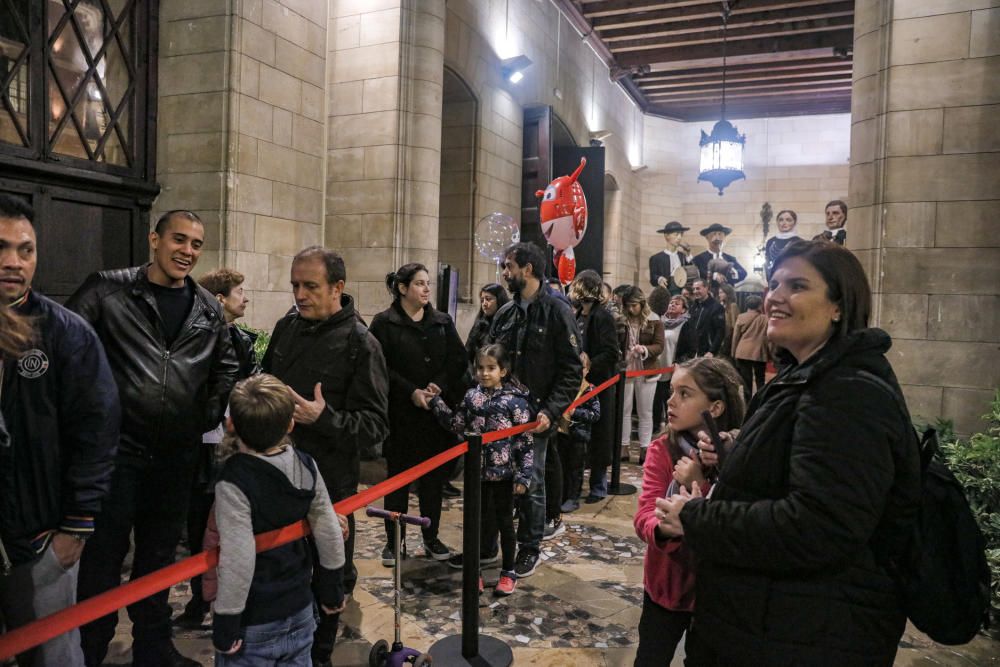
point(816, 495)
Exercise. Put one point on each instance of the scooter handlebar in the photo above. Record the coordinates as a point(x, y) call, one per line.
point(421, 521)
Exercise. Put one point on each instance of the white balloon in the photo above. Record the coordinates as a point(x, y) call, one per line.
point(495, 233)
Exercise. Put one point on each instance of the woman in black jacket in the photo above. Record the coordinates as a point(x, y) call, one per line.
point(600, 342)
point(491, 297)
point(423, 352)
point(815, 495)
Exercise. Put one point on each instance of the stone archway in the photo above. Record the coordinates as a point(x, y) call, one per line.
point(459, 120)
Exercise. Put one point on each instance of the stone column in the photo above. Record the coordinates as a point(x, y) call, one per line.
point(925, 195)
point(241, 134)
point(383, 176)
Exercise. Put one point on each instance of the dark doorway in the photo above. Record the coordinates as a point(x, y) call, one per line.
point(550, 151)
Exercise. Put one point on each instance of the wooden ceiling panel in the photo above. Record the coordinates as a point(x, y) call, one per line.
point(785, 56)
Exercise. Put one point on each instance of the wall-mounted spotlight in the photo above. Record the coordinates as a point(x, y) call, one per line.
point(513, 68)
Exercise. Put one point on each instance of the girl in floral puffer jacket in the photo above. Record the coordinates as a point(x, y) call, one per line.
point(498, 402)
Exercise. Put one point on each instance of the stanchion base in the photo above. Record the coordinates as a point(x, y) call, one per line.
point(492, 653)
point(621, 489)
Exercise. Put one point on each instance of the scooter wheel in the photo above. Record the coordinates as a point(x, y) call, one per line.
point(377, 656)
point(422, 660)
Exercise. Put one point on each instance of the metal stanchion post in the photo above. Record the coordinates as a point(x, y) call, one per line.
point(616, 487)
point(471, 647)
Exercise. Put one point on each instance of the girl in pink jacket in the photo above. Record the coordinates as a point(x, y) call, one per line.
point(701, 384)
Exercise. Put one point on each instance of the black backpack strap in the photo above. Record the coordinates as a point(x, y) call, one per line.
point(928, 441)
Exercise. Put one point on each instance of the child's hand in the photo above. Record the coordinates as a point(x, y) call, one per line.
point(345, 528)
point(237, 645)
point(687, 471)
point(433, 389)
point(520, 489)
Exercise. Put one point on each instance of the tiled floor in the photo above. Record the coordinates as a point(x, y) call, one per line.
point(580, 609)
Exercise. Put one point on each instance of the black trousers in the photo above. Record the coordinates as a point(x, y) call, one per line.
point(497, 512)
point(326, 630)
point(149, 495)
point(601, 447)
point(199, 507)
point(660, 630)
point(660, 399)
point(573, 456)
point(751, 371)
point(428, 493)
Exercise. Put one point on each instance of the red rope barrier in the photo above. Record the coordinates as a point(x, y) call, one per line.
point(651, 371)
point(43, 629)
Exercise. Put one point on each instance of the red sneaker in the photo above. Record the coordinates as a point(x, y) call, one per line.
point(505, 586)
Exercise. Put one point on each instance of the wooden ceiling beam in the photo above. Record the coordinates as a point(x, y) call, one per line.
point(611, 7)
point(755, 68)
point(761, 46)
point(757, 19)
point(677, 14)
point(716, 79)
point(711, 113)
point(714, 37)
point(737, 84)
point(751, 94)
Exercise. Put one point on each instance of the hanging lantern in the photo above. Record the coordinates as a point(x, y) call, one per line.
point(722, 151)
point(722, 155)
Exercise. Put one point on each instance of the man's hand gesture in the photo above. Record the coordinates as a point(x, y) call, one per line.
point(307, 412)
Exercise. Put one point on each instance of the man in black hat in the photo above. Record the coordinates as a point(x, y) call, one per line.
point(663, 264)
point(715, 234)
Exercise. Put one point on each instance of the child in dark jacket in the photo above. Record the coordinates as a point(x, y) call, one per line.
point(497, 402)
point(563, 490)
point(264, 605)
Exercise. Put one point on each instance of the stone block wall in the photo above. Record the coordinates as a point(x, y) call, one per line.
point(242, 134)
point(799, 163)
point(925, 181)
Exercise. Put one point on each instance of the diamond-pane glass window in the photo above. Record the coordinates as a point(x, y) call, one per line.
point(14, 73)
point(90, 79)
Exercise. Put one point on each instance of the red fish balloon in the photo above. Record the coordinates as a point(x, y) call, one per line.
point(563, 215)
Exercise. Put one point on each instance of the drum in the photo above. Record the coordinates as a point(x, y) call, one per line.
point(680, 276)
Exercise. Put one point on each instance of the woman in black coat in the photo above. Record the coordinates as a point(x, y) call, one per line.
point(600, 342)
point(815, 494)
point(422, 349)
point(491, 297)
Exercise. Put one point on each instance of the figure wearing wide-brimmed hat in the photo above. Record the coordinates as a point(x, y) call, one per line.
point(715, 234)
point(673, 258)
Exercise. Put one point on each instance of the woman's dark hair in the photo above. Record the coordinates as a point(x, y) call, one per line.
point(402, 276)
point(846, 282)
point(720, 382)
point(795, 216)
point(659, 299)
point(16, 333)
point(498, 292)
point(587, 286)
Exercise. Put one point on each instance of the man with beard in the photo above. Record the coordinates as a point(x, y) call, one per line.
point(540, 334)
point(709, 319)
point(836, 219)
point(715, 234)
point(60, 405)
point(172, 359)
point(337, 374)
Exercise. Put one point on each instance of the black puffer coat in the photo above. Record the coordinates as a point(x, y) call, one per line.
point(416, 354)
point(823, 477)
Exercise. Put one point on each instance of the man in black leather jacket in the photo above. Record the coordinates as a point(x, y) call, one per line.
point(337, 372)
point(539, 332)
point(170, 352)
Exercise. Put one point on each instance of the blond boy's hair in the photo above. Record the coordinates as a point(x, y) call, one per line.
point(261, 408)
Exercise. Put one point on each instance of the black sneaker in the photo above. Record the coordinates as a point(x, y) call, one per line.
point(554, 528)
point(457, 561)
point(436, 549)
point(449, 490)
point(193, 618)
point(389, 557)
point(526, 564)
point(166, 656)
